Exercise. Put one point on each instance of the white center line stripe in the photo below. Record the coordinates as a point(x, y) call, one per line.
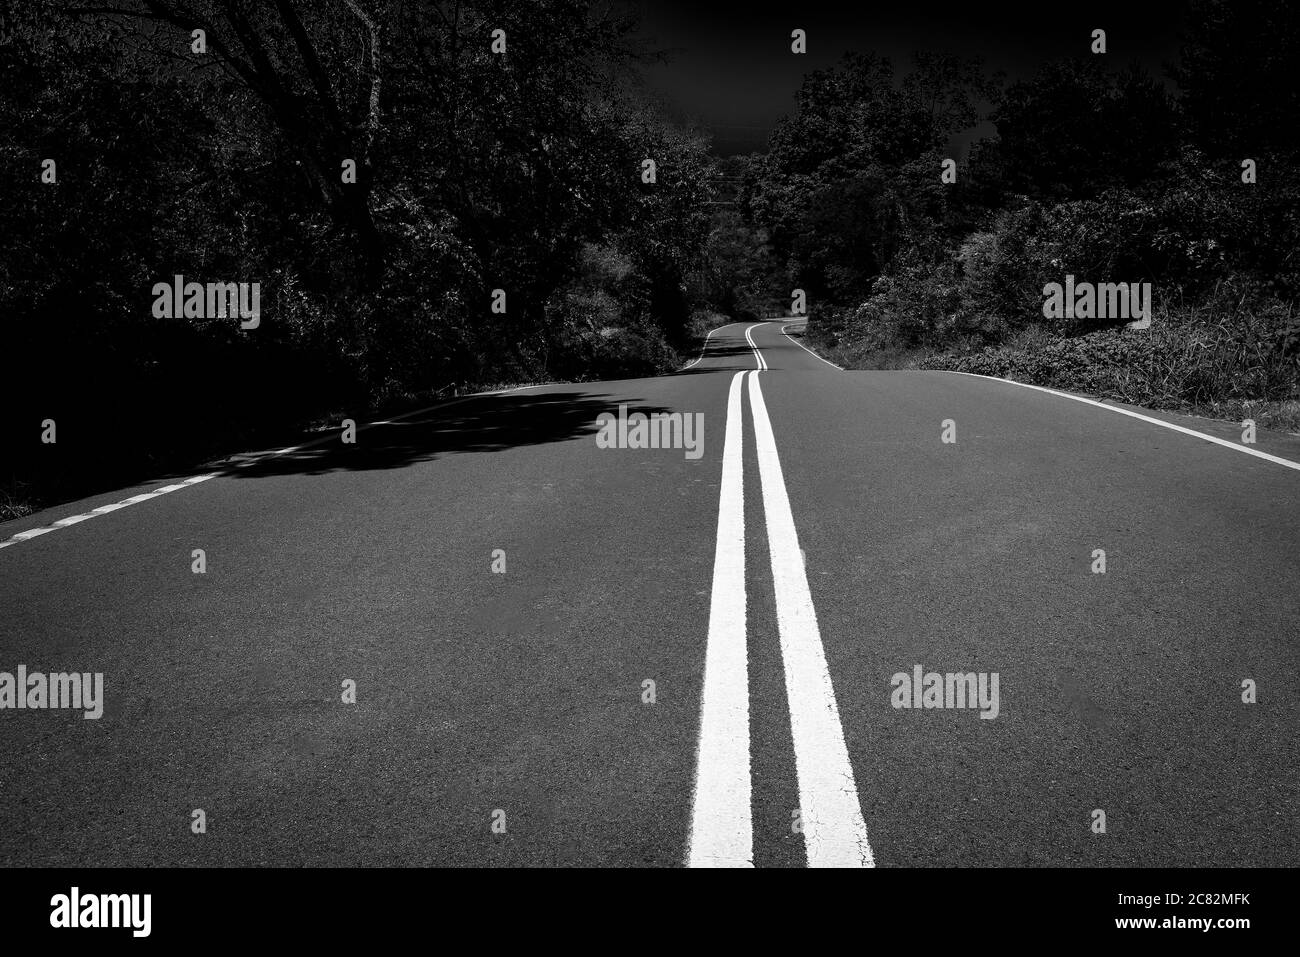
point(722, 833)
point(758, 356)
point(835, 834)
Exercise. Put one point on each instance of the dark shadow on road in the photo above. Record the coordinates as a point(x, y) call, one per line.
point(487, 423)
point(728, 351)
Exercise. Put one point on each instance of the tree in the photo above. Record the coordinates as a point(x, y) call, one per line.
point(853, 176)
point(1074, 130)
point(1239, 74)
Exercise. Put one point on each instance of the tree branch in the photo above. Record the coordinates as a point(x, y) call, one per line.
point(376, 78)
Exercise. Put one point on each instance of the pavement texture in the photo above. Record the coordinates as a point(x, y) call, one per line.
point(503, 718)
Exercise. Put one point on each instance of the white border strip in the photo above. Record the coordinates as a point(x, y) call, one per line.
point(705, 348)
point(257, 457)
point(105, 509)
point(722, 829)
point(805, 348)
point(1287, 463)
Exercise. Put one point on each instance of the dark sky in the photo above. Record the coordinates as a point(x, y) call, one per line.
point(732, 69)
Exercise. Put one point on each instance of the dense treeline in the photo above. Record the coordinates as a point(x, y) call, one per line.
point(383, 168)
point(1097, 169)
point(483, 161)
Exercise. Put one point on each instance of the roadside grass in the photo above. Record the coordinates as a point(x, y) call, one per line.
point(861, 353)
point(16, 500)
point(1274, 415)
point(1233, 365)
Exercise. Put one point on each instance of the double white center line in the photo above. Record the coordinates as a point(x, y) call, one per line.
point(758, 355)
point(835, 834)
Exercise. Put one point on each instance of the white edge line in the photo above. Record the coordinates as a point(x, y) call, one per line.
point(722, 829)
point(805, 348)
point(704, 348)
point(71, 520)
point(1134, 415)
point(256, 457)
point(834, 830)
point(333, 433)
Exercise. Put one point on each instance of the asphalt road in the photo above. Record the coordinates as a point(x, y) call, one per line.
point(824, 541)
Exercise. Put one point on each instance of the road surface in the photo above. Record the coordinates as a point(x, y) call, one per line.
point(826, 540)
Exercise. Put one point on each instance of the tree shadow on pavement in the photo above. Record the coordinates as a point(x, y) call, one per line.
point(488, 423)
point(741, 356)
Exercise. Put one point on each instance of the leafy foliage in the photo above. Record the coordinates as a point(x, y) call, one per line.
point(1108, 176)
point(475, 170)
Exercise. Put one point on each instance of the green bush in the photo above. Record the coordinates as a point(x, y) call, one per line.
point(1239, 344)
